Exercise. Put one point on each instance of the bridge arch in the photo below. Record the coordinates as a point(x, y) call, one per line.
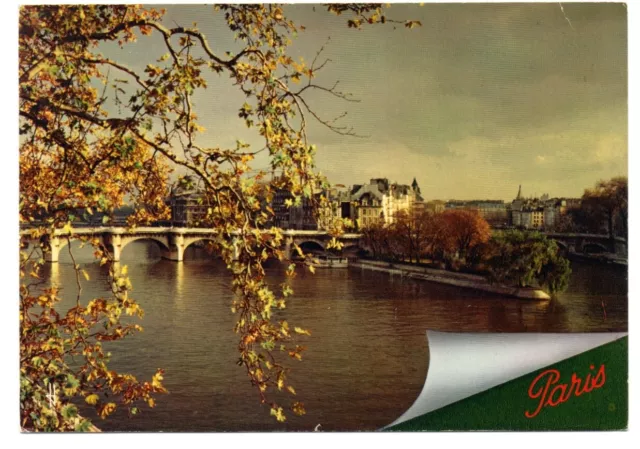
point(562, 246)
point(55, 245)
point(310, 245)
point(594, 248)
point(188, 241)
point(116, 243)
point(173, 241)
point(161, 241)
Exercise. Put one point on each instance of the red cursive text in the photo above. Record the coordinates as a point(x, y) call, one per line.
point(549, 393)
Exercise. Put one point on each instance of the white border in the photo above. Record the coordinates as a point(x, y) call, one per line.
point(9, 323)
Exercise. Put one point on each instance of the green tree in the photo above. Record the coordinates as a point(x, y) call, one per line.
point(526, 258)
point(97, 134)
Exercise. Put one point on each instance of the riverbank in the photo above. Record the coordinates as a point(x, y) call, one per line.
point(462, 280)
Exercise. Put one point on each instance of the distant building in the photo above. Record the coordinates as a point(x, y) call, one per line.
point(187, 208)
point(493, 211)
point(551, 216)
point(525, 219)
point(539, 213)
point(400, 197)
point(537, 218)
point(280, 209)
point(368, 202)
point(380, 201)
point(338, 196)
point(300, 217)
point(435, 206)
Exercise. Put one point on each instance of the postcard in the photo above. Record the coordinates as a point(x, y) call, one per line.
point(323, 217)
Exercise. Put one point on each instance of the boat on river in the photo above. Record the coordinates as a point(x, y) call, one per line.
point(327, 261)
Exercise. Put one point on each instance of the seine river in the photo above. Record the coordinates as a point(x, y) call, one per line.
point(366, 360)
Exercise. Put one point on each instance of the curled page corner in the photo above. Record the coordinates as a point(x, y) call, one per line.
point(464, 364)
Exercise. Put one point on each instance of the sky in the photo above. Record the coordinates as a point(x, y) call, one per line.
point(479, 100)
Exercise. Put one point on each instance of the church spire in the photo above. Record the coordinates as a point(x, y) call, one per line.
point(519, 192)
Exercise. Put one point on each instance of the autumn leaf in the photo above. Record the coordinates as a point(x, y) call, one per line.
point(106, 410)
point(92, 399)
point(298, 408)
point(277, 412)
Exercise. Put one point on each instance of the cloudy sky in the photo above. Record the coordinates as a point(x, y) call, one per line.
point(480, 99)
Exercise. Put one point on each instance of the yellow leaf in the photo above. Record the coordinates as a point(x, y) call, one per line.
point(298, 408)
point(291, 389)
point(277, 412)
point(299, 330)
point(92, 399)
point(312, 268)
point(131, 310)
point(107, 410)
point(85, 274)
point(156, 380)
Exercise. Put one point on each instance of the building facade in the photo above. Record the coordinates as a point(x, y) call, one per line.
point(380, 201)
point(435, 206)
point(493, 211)
point(298, 217)
point(187, 208)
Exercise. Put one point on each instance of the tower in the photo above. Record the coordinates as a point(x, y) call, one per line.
point(519, 192)
point(414, 186)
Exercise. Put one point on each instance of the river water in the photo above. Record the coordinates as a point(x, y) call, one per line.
point(366, 360)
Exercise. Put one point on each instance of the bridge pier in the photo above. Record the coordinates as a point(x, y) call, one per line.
point(621, 249)
point(176, 248)
point(288, 243)
point(54, 250)
point(113, 242)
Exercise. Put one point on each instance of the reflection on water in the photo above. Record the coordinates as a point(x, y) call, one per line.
point(366, 360)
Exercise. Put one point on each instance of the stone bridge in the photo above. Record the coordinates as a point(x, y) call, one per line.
point(590, 243)
point(174, 241)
